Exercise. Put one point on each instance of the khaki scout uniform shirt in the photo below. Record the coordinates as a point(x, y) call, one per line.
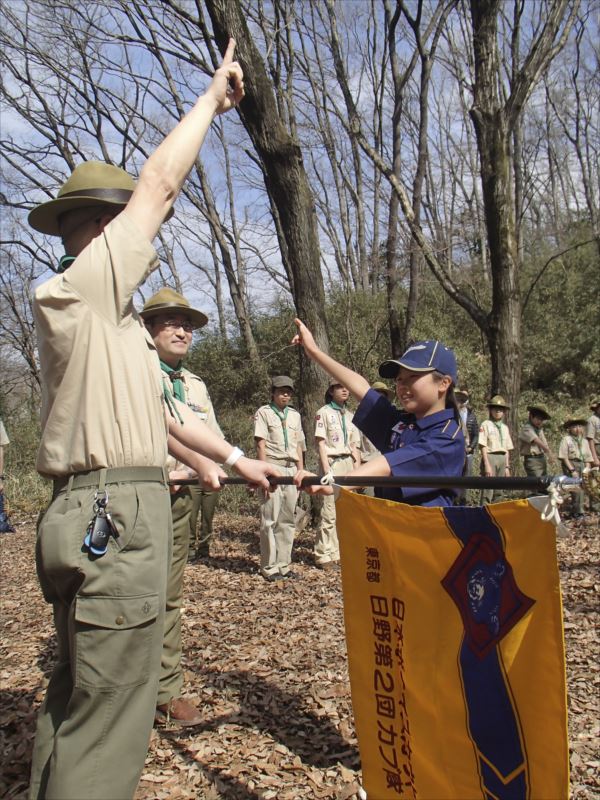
point(101, 380)
point(328, 426)
point(571, 449)
point(4, 440)
point(198, 400)
point(268, 426)
point(527, 447)
point(496, 441)
point(592, 430)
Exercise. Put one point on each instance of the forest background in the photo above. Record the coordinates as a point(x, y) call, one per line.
point(398, 170)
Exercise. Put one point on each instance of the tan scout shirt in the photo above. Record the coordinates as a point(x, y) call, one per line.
point(198, 399)
point(496, 441)
point(592, 429)
point(268, 426)
point(328, 426)
point(570, 449)
point(4, 440)
point(526, 436)
point(101, 380)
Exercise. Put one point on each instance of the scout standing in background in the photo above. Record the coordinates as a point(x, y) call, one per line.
point(592, 434)
point(5, 526)
point(532, 442)
point(575, 455)
point(495, 445)
point(470, 429)
point(337, 443)
point(171, 321)
point(280, 441)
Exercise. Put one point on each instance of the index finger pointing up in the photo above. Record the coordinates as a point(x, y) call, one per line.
point(228, 57)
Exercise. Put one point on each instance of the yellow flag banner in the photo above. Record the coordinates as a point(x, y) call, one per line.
point(456, 654)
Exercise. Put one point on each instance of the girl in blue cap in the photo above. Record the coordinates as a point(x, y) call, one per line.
point(425, 438)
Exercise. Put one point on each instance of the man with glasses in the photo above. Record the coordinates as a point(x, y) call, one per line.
point(171, 321)
point(279, 441)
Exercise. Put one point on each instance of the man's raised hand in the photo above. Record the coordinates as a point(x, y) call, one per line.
point(227, 86)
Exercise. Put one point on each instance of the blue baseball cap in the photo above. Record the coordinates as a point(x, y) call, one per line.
point(423, 357)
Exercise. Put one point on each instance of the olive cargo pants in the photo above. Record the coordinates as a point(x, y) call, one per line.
point(95, 723)
point(171, 674)
point(327, 546)
point(277, 526)
point(204, 505)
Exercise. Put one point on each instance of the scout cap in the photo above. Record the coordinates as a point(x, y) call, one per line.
point(423, 357)
point(92, 183)
point(574, 421)
point(281, 381)
point(168, 301)
point(497, 401)
point(379, 386)
point(540, 410)
point(329, 393)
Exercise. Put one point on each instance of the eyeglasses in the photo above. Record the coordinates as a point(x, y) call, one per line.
point(176, 324)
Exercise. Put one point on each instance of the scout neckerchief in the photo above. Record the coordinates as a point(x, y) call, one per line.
point(283, 419)
point(176, 389)
point(342, 410)
point(578, 440)
point(499, 426)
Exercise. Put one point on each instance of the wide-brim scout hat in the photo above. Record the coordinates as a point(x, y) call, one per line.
point(379, 386)
point(594, 404)
point(168, 301)
point(281, 382)
point(497, 401)
point(574, 421)
point(461, 395)
point(539, 410)
point(92, 183)
point(426, 356)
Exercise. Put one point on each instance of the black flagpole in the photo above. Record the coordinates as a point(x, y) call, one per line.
point(541, 484)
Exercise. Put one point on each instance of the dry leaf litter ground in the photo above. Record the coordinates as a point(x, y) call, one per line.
point(267, 664)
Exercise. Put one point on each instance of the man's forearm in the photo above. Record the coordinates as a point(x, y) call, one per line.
point(197, 436)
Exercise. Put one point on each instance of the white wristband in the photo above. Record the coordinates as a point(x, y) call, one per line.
point(233, 457)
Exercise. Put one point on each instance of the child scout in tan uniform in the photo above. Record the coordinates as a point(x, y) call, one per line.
point(5, 526)
point(532, 442)
point(575, 455)
point(171, 322)
point(495, 445)
point(338, 442)
point(104, 443)
point(280, 441)
point(592, 434)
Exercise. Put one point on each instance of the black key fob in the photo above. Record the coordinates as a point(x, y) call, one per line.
point(97, 535)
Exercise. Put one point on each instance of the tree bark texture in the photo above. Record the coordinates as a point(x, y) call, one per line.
point(287, 185)
point(493, 139)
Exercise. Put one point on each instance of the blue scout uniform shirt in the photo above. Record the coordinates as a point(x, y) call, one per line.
point(434, 445)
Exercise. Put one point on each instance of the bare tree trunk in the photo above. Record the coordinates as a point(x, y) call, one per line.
point(287, 185)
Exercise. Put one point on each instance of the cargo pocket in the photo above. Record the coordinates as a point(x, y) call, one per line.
point(114, 640)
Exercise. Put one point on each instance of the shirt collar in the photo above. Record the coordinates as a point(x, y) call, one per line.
point(434, 419)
